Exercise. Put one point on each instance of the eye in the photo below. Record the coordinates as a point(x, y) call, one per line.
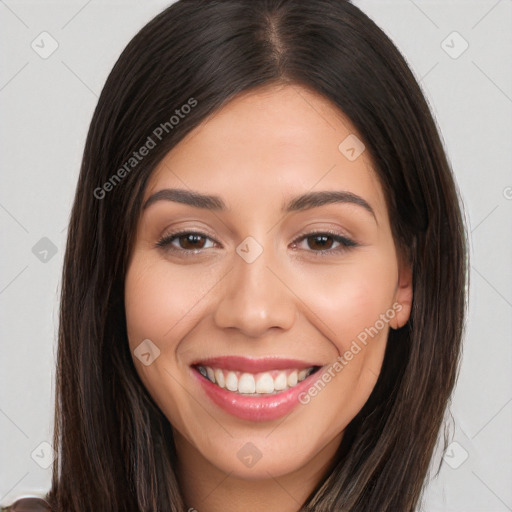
point(324, 242)
point(185, 241)
point(317, 242)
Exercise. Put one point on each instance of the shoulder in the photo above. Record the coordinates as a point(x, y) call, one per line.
point(31, 504)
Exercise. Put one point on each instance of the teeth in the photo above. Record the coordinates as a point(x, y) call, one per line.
point(260, 383)
point(280, 382)
point(246, 383)
point(219, 378)
point(232, 381)
point(265, 384)
point(292, 379)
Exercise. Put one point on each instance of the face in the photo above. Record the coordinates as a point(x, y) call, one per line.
point(258, 321)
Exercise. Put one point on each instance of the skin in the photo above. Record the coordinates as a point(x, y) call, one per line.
point(262, 149)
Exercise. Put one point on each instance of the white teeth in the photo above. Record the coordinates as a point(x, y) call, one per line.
point(280, 382)
point(246, 383)
point(292, 379)
point(219, 378)
point(260, 383)
point(266, 384)
point(232, 381)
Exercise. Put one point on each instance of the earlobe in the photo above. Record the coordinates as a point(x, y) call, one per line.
point(403, 297)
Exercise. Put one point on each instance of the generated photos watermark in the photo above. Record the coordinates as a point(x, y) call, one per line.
point(355, 347)
point(138, 156)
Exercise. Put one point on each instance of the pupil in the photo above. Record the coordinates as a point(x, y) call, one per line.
point(191, 240)
point(323, 244)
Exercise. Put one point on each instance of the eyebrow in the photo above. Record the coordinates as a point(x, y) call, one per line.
point(299, 203)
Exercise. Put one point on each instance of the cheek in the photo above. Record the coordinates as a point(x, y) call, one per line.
point(161, 305)
point(348, 299)
point(350, 302)
point(159, 301)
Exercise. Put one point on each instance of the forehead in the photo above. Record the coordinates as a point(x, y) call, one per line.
point(272, 142)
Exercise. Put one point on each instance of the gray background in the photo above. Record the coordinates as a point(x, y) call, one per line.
point(46, 106)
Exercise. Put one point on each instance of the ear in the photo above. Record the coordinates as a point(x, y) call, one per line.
point(403, 296)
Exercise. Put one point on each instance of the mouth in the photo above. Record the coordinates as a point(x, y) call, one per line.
point(254, 389)
point(255, 384)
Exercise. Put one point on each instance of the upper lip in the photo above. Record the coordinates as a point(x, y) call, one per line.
point(251, 365)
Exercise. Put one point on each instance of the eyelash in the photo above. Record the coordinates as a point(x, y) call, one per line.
point(345, 243)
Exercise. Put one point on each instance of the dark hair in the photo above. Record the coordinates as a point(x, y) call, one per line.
point(115, 446)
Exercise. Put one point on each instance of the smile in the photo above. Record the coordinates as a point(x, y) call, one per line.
point(254, 384)
point(254, 389)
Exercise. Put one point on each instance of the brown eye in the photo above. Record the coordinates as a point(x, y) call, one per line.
point(191, 241)
point(320, 242)
point(324, 243)
point(185, 241)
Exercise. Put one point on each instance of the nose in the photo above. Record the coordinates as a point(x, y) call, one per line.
point(256, 298)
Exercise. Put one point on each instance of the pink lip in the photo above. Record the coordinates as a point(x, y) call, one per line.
point(256, 408)
point(245, 364)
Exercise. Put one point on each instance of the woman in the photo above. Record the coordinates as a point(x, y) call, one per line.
point(263, 289)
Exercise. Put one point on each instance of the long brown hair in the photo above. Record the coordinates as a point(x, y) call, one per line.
point(115, 447)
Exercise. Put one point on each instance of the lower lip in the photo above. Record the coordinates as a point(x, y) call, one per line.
point(256, 408)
